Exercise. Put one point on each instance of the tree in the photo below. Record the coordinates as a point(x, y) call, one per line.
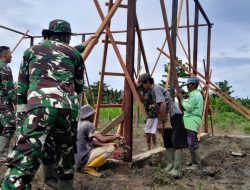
point(180, 73)
point(109, 95)
point(224, 86)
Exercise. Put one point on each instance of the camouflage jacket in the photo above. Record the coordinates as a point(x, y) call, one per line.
point(51, 75)
point(7, 87)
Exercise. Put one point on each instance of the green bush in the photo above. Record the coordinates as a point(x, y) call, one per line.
point(231, 119)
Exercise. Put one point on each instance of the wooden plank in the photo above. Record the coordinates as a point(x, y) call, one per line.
point(179, 14)
point(205, 107)
point(104, 61)
point(203, 12)
point(109, 106)
point(165, 41)
point(121, 5)
point(19, 41)
point(117, 42)
point(124, 31)
point(105, 22)
point(188, 34)
point(183, 48)
point(196, 38)
point(246, 111)
point(148, 154)
point(128, 94)
point(170, 47)
point(140, 41)
point(212, 89)
point(207, 70)
point(113, 74)
point(122, 63)
point(113, 124)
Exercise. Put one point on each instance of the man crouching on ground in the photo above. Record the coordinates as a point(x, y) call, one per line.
point(88, 157)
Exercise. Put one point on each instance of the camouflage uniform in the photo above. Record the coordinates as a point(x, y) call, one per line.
point(7, 100)
point(50, 149)
point(50, 78)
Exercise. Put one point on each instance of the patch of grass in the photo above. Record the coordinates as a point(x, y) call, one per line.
point(160, 176)
point(227, 120)
point(247, 128)
point(107, 115)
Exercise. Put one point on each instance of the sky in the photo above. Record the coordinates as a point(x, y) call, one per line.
point(230, 51)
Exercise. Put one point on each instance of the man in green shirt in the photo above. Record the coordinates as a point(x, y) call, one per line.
point(193, 107)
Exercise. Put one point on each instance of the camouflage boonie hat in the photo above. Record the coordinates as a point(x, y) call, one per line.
point(57, 26)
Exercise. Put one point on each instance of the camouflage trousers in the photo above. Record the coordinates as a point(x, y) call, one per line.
point(7, 123)
point(27, 154)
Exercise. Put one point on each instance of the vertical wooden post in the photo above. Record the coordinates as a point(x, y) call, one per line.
point(104, 60)
point(142, 51)
point(196, 29)
point(82, 97)
point(207, 75)
point(170, 47)
point(188, 34)
point(128, 96)
point(139, 54)
point(31, 41)
point(173, 40)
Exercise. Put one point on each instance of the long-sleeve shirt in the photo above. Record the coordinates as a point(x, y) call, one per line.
point(7, 87)
point(51, 75)
point(193, 110)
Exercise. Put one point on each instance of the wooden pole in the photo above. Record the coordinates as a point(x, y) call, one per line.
point(196, 29)
point(98, 33)
point(207, 74)
point(104, 61)
point(128, 95)
point(168, 78)
point(173, 41)
point(229, 100)
point(19, 41)
point(165, 41)
point(206, 103)
point(31, 41)
point(122, 63)
point(188, 34)
point(171, 50)
point(137, 114)
point(140, 41)
point(159, 56)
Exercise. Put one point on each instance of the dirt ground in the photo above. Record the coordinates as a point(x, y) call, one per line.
point(220, 171)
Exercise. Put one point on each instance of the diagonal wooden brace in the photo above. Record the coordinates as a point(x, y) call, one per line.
point(105, 22)
point(123, 65)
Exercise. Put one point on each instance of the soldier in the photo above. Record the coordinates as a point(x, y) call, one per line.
point(50, 150)
point(50, 77)
point(7, 102)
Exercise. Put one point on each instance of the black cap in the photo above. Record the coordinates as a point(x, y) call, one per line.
point(144, 77)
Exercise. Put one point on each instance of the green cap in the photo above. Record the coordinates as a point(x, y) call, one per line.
point(58, 26)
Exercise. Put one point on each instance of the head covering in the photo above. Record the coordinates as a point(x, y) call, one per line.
point(57, 26)
point(86, 111)
point(144, 77)
point(192, 80)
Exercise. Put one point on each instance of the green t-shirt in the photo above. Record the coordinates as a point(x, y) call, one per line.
point(193, 110)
